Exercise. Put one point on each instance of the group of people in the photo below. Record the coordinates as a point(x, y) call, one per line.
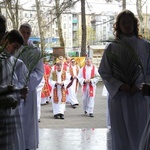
point(25, 78)
point(64, 79)
point(22, 70)
point(124, 67)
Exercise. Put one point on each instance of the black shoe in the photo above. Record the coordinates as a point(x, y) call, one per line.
point(74, 106)
point(85, 112)
point(56, 116)
point(61, 116)
point(77, 104)
point(39, 120)
point(91, 115)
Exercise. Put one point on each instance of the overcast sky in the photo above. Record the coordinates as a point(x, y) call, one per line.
point(101, 5)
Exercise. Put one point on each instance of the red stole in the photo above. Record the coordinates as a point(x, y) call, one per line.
point(90, 84)
point(63, 91)
point(67, 64)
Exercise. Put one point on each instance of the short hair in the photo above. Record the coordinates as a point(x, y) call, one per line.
point(2, 19)
point(58, 64)
point(88, 58)
point(27, 25)
point(72, 59)
point(14, 36)
point(3, 23)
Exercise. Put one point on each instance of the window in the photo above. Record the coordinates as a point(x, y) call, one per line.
point(64, 26)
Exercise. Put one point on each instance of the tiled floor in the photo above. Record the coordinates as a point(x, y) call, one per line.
point(75, 139)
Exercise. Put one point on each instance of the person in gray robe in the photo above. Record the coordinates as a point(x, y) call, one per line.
point(145, 140)
point(13, 74)
point(32, 57)
point(124, 66)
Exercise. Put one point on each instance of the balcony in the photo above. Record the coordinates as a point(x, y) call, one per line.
point(74, 21)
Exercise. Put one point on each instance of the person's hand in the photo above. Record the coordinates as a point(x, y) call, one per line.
point(145, 89)
point(61, 83)
point(125, 87)
point(23, 92)
point(75, 77)
point(8, 102)
point(87, 81)
point(134, 89)
point(56, 83)
point(10, 88)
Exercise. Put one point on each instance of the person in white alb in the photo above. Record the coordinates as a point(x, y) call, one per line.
point(88, 78)
point(74, 84)
point(59, 80)
point(39, 91)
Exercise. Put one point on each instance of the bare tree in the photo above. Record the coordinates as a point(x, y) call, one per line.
point(39, 24)
point(58, 14)
point(123, 4)
point(139, 12)
point(12, 8)
point(83, 42)
point(58, 9)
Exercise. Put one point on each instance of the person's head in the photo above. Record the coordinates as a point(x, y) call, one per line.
point(126, 24)
point(58, 66)
point(73, 62)
point(3, 26)
point(46, 63)
point(88, 61)
point(25, 30)
point(61, 59)
point(14, 40)
point(68, 59)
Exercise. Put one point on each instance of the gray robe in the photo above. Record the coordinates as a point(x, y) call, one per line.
point(29, 108)
point(11, 130)
point(128, 113)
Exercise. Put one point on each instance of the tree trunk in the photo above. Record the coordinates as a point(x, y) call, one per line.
point(16, 16)
point(39, 24)
point(123, 4)
point(12, 12)
point(83, 42)
point(58, 14)
point(139, 12)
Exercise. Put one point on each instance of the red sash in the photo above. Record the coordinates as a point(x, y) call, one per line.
point(67, 64)
point(90, 85)
point(63, 91)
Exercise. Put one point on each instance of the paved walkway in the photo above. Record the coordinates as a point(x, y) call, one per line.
point(77, 131)
point(75, 139)
point(75, 118)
